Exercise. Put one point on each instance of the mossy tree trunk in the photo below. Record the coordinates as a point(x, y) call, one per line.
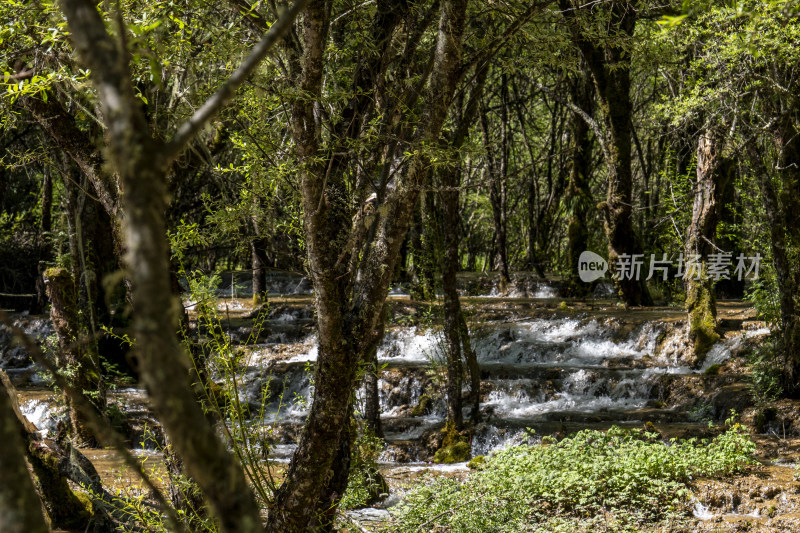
point(57, 464)
point(74, 356)
point(713, 175)
point(579, 195)
point(20, 507)
point(609, 61)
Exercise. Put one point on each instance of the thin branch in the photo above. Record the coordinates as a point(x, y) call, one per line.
point(583, 114)
point(187, 131)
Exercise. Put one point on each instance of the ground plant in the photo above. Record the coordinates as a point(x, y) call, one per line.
point(619, 480)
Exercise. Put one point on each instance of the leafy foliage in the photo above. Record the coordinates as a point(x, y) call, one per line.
point(614, 481)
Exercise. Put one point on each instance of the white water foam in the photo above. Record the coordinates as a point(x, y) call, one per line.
point(41, 414)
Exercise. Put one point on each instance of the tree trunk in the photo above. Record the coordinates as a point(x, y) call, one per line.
point(349, 294)
point(142, 165)
point(74, 355)
point(788, 144)
point(20, 507)
point(610, 67)
point(372, 403)
point(424, 250)
point(455, 327)
point(452, 306)
point(57, 464)
point(780, 209)
point(258, 254)
point(497, 169)
point(712, 177)
point(579, 194)
point(44, 239)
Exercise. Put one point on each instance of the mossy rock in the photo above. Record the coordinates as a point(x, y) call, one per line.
point(423, 407)
point(454, 449)
point(713, 370)
point(477, 462)
point(702, 318)
point(457, 453)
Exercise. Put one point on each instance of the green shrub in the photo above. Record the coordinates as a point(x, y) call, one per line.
point(765, 372)
point(615, 481)
point(365, 484)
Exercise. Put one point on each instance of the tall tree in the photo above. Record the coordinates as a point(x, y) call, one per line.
point(351, 261)
point(713, 176)
point(608, 57)
point(579, 194)
point(142, 165)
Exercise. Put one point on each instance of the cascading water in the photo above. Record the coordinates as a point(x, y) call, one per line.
point(549, 374)
point(554, 373)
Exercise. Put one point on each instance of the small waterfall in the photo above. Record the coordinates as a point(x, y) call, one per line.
point(554, 375)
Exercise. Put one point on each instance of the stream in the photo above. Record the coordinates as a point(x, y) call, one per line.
point(548, 367)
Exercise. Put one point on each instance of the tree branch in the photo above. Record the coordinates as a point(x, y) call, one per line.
point(592, 123)
point(196, 122)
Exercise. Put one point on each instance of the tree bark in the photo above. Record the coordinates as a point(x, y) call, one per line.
point(498, 169)
point(788, 145)
point(349, 301)
point(44, 239)
point(579, 195)
point(258, 254)
point(55, 465)
point(713, 176)
point(780, 208)
point(425, 244)
point(455, 327)
point(20, 507)
point(73, 355)
point(452, 306)
point(142, 165)
point(610, 65)
point(372, 403)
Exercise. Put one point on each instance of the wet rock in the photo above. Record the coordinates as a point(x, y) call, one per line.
point(423, 407)
point(454, 448)
point(779, 418)
point(13, 356)
point(736, 397)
